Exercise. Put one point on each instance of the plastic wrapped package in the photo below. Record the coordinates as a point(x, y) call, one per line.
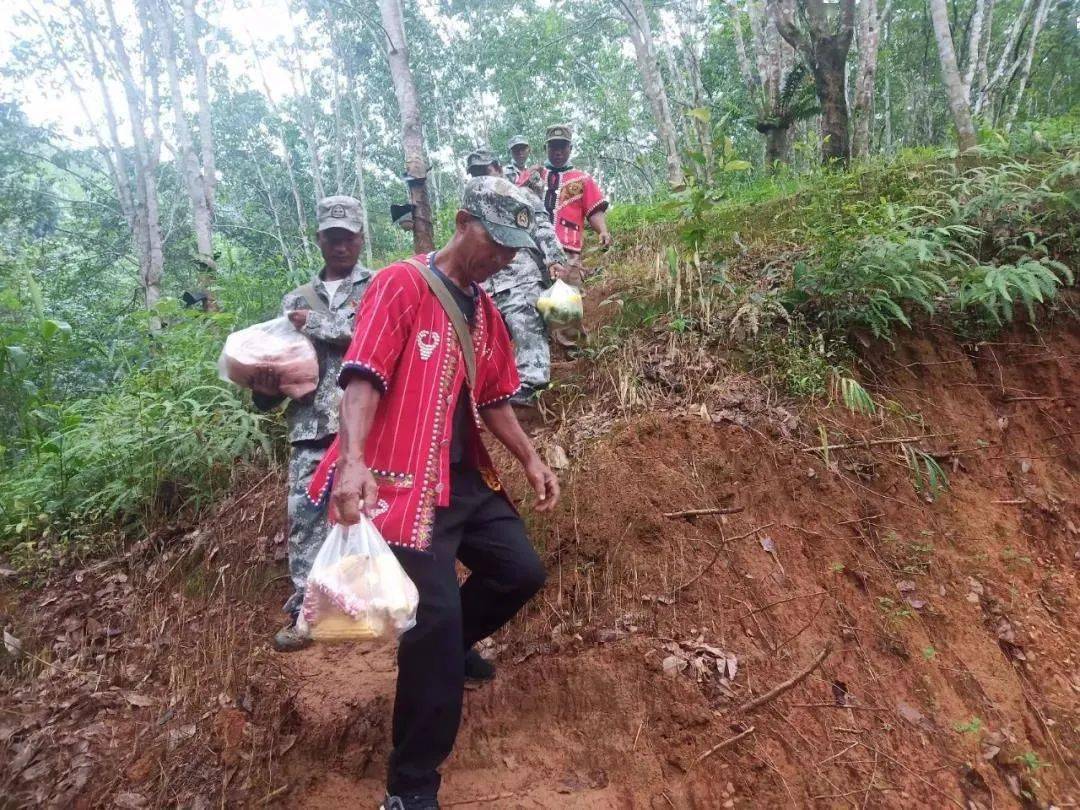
point(560, 303)
point(357, 590)
point(275, 345)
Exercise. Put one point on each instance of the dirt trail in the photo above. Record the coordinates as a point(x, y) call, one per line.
point(951, 681)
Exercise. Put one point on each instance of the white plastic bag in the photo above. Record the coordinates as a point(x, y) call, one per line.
point(560, 303)
point(275, 345)
point(357, 590)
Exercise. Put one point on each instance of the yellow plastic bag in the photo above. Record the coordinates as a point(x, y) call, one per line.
point(560, 303)
point(357, 590)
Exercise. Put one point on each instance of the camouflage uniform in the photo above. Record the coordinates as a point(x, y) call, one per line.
point(313, 420)
point(515, 290)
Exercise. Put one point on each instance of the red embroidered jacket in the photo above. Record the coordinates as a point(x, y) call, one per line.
point(571, 197)
point(405, 339)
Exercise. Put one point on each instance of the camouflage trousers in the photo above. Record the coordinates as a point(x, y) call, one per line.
point(307, 523)
point(529, 333)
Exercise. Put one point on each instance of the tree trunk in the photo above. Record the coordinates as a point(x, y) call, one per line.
point(868, 37)
point(189, 161)
point(285, 254)
point(830, 81)
point(637, 19)
point(974, 46)
point(888, 136)
point(202, 93)
point(148, 215)
point(824, 45)
point(307, 122)
point(981, 74)
point(950, 75)
point(359, 150)
point(412, 127)
point(1005, 64)
point(1025, 69)
point(777, 146)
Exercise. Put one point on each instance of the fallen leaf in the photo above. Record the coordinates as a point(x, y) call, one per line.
point(130, 801)
point(911, 714)
point(673, 665)
point(175, 736)
point(138, 700)
point(557, 458)
point(905, 586)
point(840, 693)
point(768, 544)
point(12, 644)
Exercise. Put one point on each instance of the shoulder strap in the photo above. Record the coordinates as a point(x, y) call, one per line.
point(312, 297)
point(461, 329)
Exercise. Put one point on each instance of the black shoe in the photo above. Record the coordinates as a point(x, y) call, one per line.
point(477, 668)
point(415, 801)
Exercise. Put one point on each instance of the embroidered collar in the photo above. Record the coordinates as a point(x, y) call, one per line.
point(567, 167)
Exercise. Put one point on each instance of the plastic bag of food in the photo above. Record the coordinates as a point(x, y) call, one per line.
point(357, 590)
point(560, 303)
point(275, 345)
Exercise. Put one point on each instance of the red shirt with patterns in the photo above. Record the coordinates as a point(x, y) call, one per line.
point(405, 340)
point(571, 197)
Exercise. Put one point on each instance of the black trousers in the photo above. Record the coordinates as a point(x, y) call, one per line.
point(482, 530)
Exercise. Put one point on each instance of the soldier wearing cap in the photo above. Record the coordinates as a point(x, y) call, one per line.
point(572, 198)
point(518, 172)
point(409, 454)
point(517, 287)
point(324, 310)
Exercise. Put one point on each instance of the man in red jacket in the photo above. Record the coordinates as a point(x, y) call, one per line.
point(409, 454)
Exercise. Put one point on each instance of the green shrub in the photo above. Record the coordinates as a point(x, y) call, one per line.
point(166, 436)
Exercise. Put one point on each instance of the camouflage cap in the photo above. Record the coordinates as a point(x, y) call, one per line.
point(340, 211)
point(559, 132)
point(480, 158)
point(502, 208)
point(518, 140)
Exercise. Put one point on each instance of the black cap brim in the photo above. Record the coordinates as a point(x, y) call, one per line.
point(508, 236)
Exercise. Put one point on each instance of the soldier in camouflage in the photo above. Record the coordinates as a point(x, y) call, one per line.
point(516, 288)
point(518, 172)
point(324, 310)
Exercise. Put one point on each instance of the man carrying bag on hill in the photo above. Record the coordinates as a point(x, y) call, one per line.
point(323, 310)
point(430, 360)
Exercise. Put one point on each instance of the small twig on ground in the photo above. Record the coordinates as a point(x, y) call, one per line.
point(875, 442)
point(861, 519)
point(750, 705)
point(480, 799)
point(1030, 399)
point(720, 510)
point(273, 794)
point(783, 601)
point(719, 747)
point(1011, 502)
point(719, 548)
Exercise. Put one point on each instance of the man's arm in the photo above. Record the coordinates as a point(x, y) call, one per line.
point(355, 489)
point(554, 257)
point(598, 221)
point(502, 422)
point(332, 327)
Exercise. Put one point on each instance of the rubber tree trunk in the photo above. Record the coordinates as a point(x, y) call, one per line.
point(830, 81)
point(637, 19)
point(1025, 69)
point(777, 147)
point(868, 37)
point(950, 75)
point(824, 44)
point(412, 128)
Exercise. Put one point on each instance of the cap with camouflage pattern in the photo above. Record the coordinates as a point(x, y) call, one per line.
point(559, 132)
point(340, 211)
point(480, 158)
point(503, 210)
point(518, 140)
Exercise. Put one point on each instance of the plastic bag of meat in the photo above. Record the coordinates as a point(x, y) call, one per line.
point(357, 590)
point(274, 345)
